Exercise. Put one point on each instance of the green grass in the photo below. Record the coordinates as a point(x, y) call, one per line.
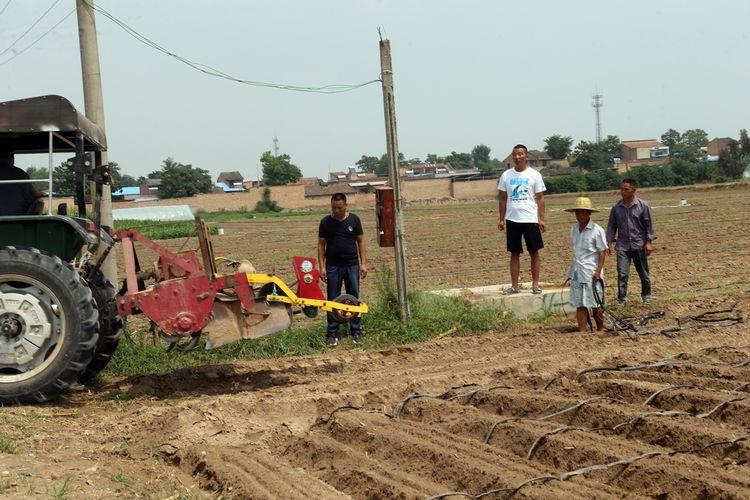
point(7, 446)
point(161, 230)
point(234, 215)
point(122, 478)
point(432, 316)
point(4, 485)
point(63, 491)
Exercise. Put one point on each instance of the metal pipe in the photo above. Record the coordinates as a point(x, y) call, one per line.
point(24, 181)
point(49, 190)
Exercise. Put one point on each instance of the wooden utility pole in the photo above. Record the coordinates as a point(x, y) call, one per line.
point(94, 108)
point(391, 137)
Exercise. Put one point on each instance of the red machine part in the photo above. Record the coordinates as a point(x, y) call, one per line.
point(308, 277)
point(178, 306)
point(183, 306)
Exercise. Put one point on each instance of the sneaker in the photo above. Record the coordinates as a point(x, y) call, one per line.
point(646, 300)
point(357, 338)
point(536, 290)
point(331, 341)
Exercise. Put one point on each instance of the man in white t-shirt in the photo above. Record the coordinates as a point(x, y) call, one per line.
point(522, 214)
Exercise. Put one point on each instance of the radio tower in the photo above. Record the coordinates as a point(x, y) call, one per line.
point(597, 105)
point(275, 146)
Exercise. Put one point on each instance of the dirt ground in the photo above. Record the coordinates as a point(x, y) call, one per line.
point(514, 413)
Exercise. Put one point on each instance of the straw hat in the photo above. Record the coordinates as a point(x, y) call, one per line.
point(582, 203)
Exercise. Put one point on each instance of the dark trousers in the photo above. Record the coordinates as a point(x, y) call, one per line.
point(639, 258)
point(349, 277)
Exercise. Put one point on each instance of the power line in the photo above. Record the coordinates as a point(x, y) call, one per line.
point(204, 68)
point(30, 27)
point(5, 7)
point(58, 23)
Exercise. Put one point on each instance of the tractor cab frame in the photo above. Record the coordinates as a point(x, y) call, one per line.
point(58, 315)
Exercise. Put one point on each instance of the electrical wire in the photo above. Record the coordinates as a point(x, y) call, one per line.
point(211, 71)
point(58, 23)
point(30, 27)
point(5, 7)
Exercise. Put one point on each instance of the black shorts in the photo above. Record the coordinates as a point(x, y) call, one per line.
point(530, 232)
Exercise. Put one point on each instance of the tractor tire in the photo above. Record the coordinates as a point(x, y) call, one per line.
point(48, 326)
point(110, 325)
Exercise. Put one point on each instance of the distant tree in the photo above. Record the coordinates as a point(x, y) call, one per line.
point(38, 172)
point(433, 158)
point(611, 146)
point(459, 161)
point(694, 138)
point(603, 180)
point(382, 169)
point(267, 204)
point(64, 180)
point(730, 161)
point(670, 138)
point(368, 163)
point(744, 142)
point(574, 183)
point(480, 155)
point(653, 175)
point(590, 156)
point(685, 172)
point(278, 170)
point(182, 180)
point(120, 180)
point(557, 146)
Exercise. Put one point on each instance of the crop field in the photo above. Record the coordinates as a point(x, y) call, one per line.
point(534, 409)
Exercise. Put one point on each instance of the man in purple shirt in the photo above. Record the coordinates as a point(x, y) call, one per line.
point(631, 230)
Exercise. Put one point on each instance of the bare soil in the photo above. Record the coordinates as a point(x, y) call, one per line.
point(505, 411)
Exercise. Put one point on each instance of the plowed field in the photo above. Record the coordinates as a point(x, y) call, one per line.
point(535, 411)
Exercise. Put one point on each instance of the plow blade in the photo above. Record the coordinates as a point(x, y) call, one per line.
point(229, 324)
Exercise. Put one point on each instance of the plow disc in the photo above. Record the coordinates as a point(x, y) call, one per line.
point(230, 324)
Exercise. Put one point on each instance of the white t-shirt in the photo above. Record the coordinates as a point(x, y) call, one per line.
point(522, 188)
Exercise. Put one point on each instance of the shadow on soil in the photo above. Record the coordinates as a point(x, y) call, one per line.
point(209, 380)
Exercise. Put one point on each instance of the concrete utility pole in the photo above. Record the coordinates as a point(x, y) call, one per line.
point(94, 108)
point(391, 137)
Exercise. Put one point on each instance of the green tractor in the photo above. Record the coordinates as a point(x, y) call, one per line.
point(58, 317)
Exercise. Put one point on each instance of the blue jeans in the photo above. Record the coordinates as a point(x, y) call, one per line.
point(349, 276)
point(640, 259)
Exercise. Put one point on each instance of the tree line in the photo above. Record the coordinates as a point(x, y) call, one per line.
point(686, 165)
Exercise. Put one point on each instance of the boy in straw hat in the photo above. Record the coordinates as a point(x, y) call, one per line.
point(589, 250)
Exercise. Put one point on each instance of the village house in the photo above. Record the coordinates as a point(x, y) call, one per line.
point(643, 150)
point(537, 160)
point(716, 144)
point(232, 179)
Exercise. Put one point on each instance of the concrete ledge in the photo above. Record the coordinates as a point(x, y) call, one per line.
point(522, 304)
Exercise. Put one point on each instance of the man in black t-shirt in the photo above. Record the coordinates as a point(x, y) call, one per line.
point(343, 259)
point(15, 199)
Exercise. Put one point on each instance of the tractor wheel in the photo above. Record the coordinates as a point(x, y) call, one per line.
point(344, 316)
point(48, 325)
point(110, 325)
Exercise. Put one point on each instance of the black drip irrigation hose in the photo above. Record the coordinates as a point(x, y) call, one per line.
point(564, 476)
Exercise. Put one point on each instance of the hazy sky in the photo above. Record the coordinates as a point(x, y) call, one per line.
point(466, 72)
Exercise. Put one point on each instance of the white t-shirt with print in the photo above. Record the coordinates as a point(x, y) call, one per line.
point(522, 188)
